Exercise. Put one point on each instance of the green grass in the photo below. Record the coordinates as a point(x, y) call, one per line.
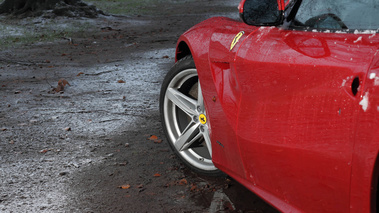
point(15, 34)
point(124, 7)
point(129, 7)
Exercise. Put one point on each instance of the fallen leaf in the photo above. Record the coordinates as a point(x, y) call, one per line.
point(64, 82)
point(153, 137)
point(61, 84)
point(157, 175)
point(166, 56)
point(193, 187)
point(124, 186)
point(120, 81)
point(81, 73)
point(183, 182)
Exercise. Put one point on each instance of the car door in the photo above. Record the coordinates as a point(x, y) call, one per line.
point(300, 97)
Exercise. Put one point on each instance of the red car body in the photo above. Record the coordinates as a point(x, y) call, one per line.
point(293, 114)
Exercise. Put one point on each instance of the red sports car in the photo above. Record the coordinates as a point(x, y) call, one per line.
point(285, 102)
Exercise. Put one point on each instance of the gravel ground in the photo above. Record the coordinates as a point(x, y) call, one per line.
point(88, 148)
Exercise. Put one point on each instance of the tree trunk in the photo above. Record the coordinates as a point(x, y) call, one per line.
point(58, 7)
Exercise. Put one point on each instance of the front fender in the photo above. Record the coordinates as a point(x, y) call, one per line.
point(210, 44)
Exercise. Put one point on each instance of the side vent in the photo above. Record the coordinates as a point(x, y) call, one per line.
point(355, 86)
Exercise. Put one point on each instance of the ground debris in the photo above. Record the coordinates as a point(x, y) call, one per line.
point(61, 84)
point(91, 183)
point(63, 173)
point(123, 164)
point(155, 139)
point(183, 182)
point(99, 73)
point(127, 186)
point(43, 151)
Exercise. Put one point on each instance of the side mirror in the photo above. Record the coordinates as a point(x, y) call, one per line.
point(262, 12)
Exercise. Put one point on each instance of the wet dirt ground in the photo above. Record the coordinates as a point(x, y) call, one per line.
point(87, 148)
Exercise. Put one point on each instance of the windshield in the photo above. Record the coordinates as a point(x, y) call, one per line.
point(338, 14)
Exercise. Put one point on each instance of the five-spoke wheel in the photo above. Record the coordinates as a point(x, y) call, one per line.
point(184, 117)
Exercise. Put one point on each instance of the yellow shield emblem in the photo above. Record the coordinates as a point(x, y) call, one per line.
point(202, 119)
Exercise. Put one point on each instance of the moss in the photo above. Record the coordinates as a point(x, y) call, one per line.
point(15, 35)
point(130, 7)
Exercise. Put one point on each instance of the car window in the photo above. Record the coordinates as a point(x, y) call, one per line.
point(338, 15)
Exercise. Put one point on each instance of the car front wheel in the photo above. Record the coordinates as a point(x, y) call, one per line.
point(184, 117)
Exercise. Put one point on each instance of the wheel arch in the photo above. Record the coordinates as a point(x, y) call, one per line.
point(182, 50)
point(196, 40)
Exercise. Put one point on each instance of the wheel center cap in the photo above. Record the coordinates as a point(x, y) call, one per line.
point(202, 119)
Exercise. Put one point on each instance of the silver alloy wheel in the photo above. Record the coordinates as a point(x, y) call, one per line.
point(185, 120)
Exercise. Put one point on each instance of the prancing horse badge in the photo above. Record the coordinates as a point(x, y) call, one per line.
point(236, 39)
